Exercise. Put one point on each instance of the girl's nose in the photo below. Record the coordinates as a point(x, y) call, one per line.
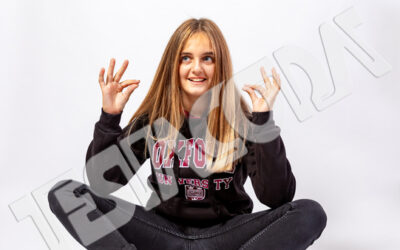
point(196, 67)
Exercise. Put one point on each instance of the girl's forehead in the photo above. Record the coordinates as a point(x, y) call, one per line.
point(199, 39)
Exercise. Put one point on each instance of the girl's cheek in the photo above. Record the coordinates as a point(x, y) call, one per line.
point(185, 67)
point(210, 70)
point(183, 70)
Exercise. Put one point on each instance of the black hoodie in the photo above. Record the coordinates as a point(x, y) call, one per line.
point(186, 197)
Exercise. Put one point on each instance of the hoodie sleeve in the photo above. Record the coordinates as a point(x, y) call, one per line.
point(268, 168)
point(108, 133)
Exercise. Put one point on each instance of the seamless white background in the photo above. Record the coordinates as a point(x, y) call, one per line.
point(345, 157)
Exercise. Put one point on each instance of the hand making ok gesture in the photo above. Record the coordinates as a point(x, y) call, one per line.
point(114, 99)
point(269, 93)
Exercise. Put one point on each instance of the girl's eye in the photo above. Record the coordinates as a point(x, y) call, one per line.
point(210, 59)
point(206, 59)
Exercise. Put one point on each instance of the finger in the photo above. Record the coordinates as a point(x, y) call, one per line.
point(129, 82)
point(265, 77)
point(101, 77)
point(121, 71)
point(277, 79)
point(130, 89)
point(110, 71)
point(251, 93)
point(259, 88)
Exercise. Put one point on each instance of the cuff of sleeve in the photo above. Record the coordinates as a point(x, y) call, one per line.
point(110, 120)
point(260, 118)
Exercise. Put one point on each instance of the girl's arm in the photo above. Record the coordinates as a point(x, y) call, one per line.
point(269, 169)
point(267, 165)
point(106, 166)
point(106, 147)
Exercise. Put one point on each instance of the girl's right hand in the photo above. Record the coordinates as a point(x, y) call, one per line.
point(114, 99)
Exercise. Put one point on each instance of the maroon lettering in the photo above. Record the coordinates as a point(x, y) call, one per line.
point(199, 155)
point(158, 153)
point(217, 182)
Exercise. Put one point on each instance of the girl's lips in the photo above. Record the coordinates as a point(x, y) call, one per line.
point(197, 82)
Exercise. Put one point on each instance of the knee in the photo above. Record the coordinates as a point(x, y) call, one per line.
point(313, 216)
point(65, 189)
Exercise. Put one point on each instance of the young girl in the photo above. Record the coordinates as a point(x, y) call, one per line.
point(203, 143)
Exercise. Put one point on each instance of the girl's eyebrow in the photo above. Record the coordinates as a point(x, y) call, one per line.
point(205, 53)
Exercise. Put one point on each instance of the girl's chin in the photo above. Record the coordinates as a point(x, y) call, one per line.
point(195, 93)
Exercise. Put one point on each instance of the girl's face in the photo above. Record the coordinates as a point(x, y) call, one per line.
point(196, 68)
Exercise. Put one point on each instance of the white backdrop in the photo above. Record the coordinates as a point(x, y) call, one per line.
point(344, 157)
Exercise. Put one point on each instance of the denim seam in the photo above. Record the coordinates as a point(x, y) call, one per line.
point(252, 240)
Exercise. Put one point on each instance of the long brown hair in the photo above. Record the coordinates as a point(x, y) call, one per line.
point(164, 99)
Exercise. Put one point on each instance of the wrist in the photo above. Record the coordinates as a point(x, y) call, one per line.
point(110, 120)
point(261, 117)
point(111, 112)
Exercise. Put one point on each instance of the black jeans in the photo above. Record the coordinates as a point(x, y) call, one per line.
point(294, 225)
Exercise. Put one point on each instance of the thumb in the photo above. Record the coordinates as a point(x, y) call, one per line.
point(129, 90)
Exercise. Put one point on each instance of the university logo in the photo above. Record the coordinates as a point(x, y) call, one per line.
point(194, 193)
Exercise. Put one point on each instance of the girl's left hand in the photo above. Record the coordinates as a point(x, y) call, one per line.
point(269, 93)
